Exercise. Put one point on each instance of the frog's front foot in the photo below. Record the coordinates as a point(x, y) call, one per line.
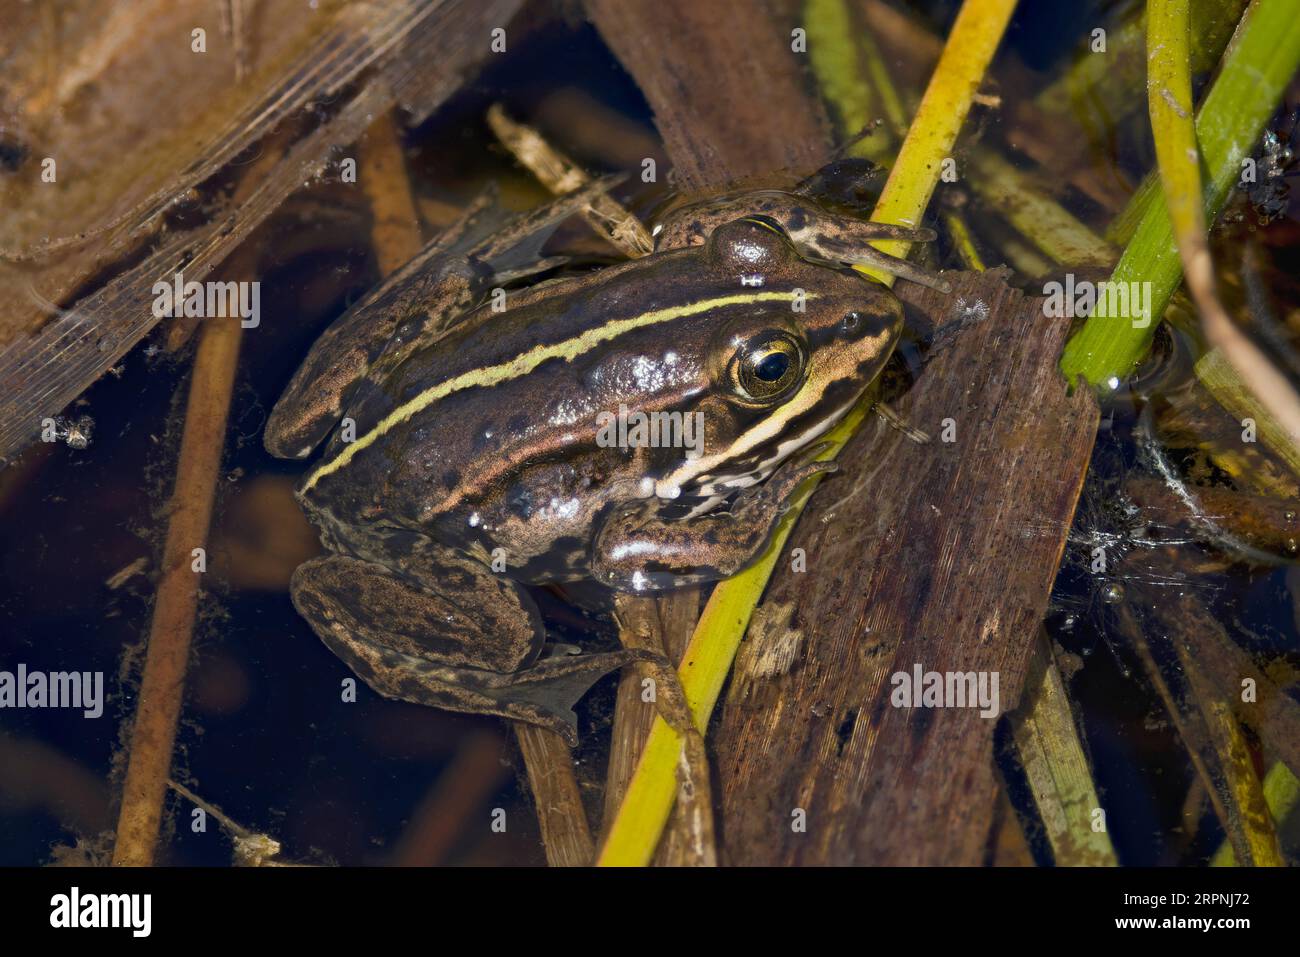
point(459, 638)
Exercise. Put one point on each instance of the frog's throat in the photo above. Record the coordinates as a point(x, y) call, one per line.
point(522, 364)
point(720, 484)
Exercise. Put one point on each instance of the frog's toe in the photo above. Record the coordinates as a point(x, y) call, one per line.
point(546, 693)
point(785, 481)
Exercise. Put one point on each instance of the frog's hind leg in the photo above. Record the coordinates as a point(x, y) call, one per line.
point(459, 638)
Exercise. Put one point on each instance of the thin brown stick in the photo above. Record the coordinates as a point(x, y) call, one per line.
point(158, 710)
point(460, 791)
point(632, 716)
point(395, 231)
point(563, 821)
point(171, 632)
point(562, 175)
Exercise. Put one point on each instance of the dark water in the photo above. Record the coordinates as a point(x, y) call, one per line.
point(264, 736)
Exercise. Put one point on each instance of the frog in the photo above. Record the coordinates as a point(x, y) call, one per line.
point(466, 456)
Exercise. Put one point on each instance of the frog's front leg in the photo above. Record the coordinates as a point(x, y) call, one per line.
point(447, 633)
point(639, 549)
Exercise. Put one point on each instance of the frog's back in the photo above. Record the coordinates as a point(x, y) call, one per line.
point(502, 391)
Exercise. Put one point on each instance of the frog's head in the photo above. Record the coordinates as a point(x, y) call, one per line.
point(785, 367)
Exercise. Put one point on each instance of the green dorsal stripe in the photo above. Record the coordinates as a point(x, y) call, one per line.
point(526, 362)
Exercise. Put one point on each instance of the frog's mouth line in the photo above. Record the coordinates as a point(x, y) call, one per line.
point(722, 485)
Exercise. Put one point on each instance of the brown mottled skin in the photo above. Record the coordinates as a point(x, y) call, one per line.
point(476, 465)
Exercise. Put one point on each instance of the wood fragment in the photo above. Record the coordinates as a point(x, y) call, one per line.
point(721, 78)
point(563, 820)
point(954, 575)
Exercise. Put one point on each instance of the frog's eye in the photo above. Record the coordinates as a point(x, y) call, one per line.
point(768, 367)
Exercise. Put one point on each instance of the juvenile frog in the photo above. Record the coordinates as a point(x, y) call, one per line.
point(469, 461)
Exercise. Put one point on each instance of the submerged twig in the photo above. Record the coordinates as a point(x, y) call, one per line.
point(395, 231)
point(153, 734)
point(443, 815)
point(171, 631)
point(251, 848)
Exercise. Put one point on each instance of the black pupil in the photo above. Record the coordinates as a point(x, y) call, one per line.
point(773, 366)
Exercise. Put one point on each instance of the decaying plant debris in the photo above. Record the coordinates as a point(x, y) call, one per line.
point(947, 538)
